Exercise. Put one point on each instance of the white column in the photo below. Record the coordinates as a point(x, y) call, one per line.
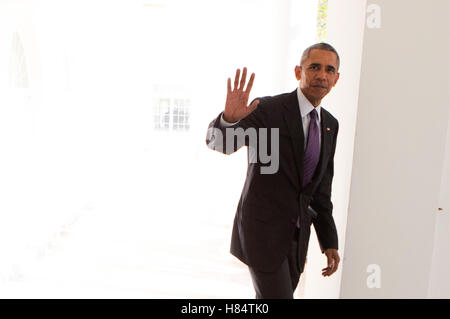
point(345, 28)
point(401, 134)
point(439, 286)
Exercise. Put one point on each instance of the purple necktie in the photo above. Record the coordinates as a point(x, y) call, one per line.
point(312, 152)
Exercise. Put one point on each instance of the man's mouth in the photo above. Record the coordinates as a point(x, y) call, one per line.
point(319, 86)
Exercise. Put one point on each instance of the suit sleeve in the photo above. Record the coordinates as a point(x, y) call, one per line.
point(321, 203)
point(230, 138)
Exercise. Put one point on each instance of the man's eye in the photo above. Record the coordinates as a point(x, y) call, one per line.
point(314, 67)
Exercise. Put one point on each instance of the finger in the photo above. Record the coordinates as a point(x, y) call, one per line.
point(244, 77)
point(252, 106)
point(250, 83)
point(326, 272)
point(236, 79)
point(229, 85)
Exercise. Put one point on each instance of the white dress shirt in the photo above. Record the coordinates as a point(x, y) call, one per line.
point(305, 108)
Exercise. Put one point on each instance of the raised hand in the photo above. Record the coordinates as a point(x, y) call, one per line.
point(236, 104)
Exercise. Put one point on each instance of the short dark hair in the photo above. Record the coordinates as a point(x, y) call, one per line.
point(319, 46)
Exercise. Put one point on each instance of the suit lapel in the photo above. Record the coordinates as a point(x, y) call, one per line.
point(295, 127)
point(327, 139)
point(293, 119)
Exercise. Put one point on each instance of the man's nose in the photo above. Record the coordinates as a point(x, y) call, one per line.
point(322, 75)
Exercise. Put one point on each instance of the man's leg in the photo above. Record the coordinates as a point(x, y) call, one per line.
point(273, 285)
point(282, 283)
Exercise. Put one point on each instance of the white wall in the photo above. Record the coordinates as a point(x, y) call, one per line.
point(400, 140)
point(89, 189)
point(439, 286)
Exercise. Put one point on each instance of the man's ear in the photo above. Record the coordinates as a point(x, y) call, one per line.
point(298, 72)
point(337, 78)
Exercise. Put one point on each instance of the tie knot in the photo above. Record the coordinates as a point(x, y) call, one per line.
point(313, 114)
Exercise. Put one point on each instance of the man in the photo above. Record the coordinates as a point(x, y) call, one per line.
point(272, 224)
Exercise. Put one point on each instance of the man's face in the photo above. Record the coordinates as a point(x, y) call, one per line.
point(317, 75)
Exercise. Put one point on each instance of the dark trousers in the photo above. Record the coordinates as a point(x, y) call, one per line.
point(281, 283)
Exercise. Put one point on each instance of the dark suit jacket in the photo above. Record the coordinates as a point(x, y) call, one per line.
point(267, 212)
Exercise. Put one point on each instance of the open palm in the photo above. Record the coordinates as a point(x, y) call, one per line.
point(236, 104)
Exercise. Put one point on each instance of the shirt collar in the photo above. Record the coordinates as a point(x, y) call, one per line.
point(305, 104)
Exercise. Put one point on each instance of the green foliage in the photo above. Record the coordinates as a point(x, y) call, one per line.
point(322, 14)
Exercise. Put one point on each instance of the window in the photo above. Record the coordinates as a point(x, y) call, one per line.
point(322, 20)
point(18, 76)
point(171, 109)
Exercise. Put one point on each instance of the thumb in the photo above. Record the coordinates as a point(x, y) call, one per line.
point(252, 106)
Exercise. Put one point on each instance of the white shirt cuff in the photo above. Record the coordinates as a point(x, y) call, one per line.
point(225, 123)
